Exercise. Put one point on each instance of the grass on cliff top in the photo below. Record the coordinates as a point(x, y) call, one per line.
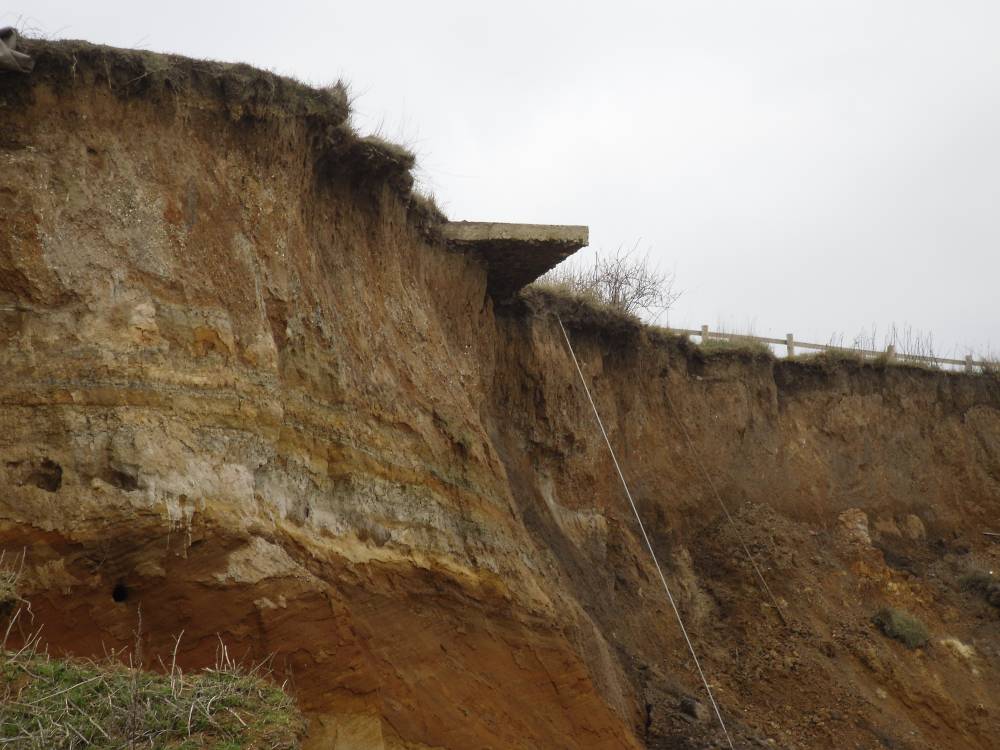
point(585, 309)
point(64, 704)
point(836, 357)
point(245, 90)
point(901, 625)
point(746, 347)
point(579, 308)
point(248, 97)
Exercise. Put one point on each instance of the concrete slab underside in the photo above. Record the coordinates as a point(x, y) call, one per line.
point(515, 254)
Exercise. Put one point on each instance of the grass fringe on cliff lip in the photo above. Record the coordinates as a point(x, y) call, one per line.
point(244, 91)
point(576, 309)
point(584, 311)
point(8, 589)
point(66, 704)
point(245, 95)
point(426, 205)
point(376, 157)
point(833, 358)
point(901, 625)
point(736, 346)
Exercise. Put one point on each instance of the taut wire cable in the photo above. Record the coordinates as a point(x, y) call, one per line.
point(645, 536)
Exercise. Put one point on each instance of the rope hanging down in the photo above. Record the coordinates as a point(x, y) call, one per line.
point(645, 536)
point(725, 509)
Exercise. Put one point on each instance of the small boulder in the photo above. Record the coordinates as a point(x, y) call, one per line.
point(886, 527)
point(914, 527)
point(694, 708)
point(854, 524)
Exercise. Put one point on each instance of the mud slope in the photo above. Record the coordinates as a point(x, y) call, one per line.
point(248, 391)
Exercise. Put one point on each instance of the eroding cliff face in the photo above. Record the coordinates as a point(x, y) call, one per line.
point(249, 394)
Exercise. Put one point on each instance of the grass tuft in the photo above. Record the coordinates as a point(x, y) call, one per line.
point(580, 309)
point(10, 597)
point(901, 625)
point(8, 590)
point(984, 584)
point(57, 703)
point(65, 704)
point(740, 346)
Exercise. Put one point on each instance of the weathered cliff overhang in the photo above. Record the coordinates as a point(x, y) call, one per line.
point(514, 254)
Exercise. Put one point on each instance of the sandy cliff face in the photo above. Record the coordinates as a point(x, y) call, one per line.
point(248, 393)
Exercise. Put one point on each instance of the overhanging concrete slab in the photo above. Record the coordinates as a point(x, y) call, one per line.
point(515, 254)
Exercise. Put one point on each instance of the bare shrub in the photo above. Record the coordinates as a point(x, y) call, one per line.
point(623, 279)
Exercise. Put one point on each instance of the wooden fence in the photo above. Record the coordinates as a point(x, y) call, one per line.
point(791, 345)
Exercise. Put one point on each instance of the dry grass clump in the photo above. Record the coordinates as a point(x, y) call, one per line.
point(378, 150)
point(911, 346)
point(66, 704)
point(834, 358)
point(244, 91)
point(983, 583)
point(901, 625)
point(10, 597)
point(738, 346)
point(378, 159)
point(426, 205)
point(8, 588)
point(578, 309)
point(426, 215)
point(566, 290)
point(69, 703)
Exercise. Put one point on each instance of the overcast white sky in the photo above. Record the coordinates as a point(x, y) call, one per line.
point(803, 166)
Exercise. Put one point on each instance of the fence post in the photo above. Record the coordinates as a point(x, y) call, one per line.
point(890, 352)
point(704, 334)
point(969, 366)
point(790, 344)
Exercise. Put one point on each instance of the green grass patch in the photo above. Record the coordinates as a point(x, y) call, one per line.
point(901, 625)
point(746, 347)
point(60, 704)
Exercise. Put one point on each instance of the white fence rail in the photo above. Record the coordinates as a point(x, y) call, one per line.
point(791, 345)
